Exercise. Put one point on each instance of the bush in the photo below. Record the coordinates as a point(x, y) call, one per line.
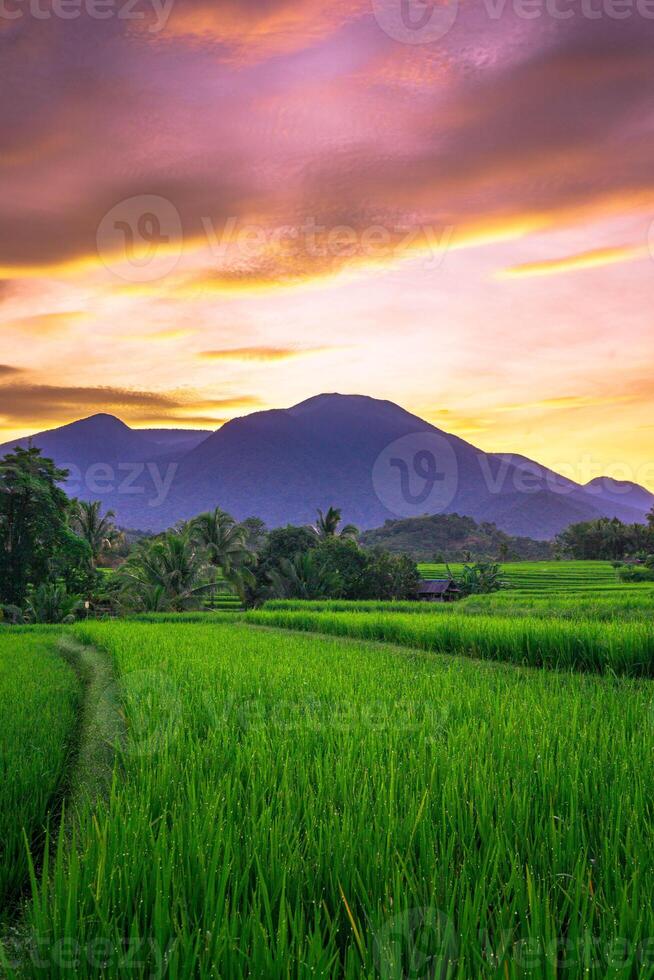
point(51, 603)
point(636, 573)
point(480, 579)
point(12, 615)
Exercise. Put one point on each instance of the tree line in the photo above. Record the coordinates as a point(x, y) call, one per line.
point(52, 549)
point(609, 539)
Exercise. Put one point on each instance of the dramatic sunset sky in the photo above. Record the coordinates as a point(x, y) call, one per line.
point(227, 206)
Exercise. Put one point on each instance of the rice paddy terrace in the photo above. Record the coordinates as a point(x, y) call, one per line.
point(539, 578)
point(335, 790)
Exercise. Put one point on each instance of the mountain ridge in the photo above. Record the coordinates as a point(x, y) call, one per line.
point(352, 451)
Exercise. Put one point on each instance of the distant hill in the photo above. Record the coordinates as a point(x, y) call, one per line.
point(449, 537)
point(371, 458)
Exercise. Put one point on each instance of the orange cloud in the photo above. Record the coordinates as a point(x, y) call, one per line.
point(48, 323)
point(566, 402)
point(160, 336)
point(256, 30)
point(571, 263)
point(28, 402)
point(262, 353)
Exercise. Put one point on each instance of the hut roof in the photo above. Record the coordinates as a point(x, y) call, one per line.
point(436, 586)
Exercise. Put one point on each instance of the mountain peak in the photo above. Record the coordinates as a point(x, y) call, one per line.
point(100, 421)
point(327, 398)
point(350, 404)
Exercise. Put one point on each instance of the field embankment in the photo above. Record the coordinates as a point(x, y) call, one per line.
point(625, 648)
point(619, 607)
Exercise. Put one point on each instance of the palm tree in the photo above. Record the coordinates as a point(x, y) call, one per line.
point(167, 572)
point(225, 544)
point(303, 577)
point(51, 603)
point(99, 532)
point(327, 526)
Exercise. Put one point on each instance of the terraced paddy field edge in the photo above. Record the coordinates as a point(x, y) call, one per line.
point(624, 648)
point(542, 577)
point(295, 806)
point(597, 607)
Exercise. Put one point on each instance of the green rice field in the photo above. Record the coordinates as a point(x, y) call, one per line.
point(542, 577)
point(339, 790)
point(612, 648)
point(618, 607)
point(39, 700)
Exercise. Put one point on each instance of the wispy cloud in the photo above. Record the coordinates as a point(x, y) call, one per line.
point(26, 402)
point(159, 336)
point(48, 323)
point(262, 353)
point(572, 263)
point(567, 402)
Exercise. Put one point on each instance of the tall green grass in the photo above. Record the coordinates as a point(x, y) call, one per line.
point(39, 698)
point(296, 806)
point(620, 648)
point(621, 607)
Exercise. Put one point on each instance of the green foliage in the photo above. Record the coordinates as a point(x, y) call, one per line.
point(389, 577)
point(606, 538)
point(283, 543)
point(51, 603)
point(333, 566)
point(12, 615)
point(347, 563)
point(449, 537)
point(481, 578)
point(168, 572)
point(636, 573)
point(98, 531)
point(256, 533)
point(72, 563)
point(225, 545)
point(327, 526)
point(33, 521)
point(306, 576)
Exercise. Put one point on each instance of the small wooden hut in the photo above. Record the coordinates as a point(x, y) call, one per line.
point(438, 590)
